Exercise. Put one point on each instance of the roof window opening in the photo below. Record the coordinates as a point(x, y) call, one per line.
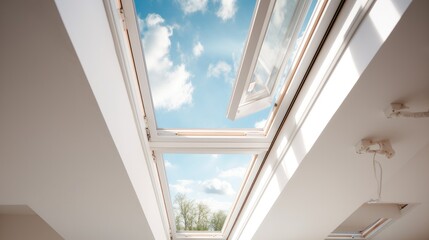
point(203, 189)
point(192, 51)
point(194, 60)
point(268, 62)
point(210, 76)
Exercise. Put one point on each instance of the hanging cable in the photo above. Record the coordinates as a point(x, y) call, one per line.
point(378, 179)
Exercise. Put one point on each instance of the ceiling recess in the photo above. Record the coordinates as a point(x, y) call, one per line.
point(367, 221)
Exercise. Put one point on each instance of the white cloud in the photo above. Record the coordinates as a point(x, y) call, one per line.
point(261, 124)
point(168, 164)
point(217, 186)
point(220, 69)
point(198, 49)
point(170, 84)
point(233, 172)
point(182, 186)
point(140, 24)
point(191, 6)
point(227, 9)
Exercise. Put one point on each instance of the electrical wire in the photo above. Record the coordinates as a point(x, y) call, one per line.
point(379, 180)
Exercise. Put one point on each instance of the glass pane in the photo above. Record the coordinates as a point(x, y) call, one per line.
point(203, 188)
point(285, 33)
point(192, 51)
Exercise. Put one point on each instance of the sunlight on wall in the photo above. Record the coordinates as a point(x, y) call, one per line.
point(289, 164)
point(339, 85)
point(321, 73)
point(282, 146)
point(319, 101)
point(252, 201)
point(383, 18)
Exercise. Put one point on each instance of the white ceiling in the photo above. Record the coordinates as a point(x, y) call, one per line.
point(333, 181)
point(56, 153)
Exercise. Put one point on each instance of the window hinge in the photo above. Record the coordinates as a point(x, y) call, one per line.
point(122, 15)
point(147, 128)
point(153, 156)
point(148, 134)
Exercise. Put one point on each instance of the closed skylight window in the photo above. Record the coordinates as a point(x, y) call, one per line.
point(203, 188)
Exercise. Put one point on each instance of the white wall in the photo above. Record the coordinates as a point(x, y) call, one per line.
point(25, 227)
point(56, 153)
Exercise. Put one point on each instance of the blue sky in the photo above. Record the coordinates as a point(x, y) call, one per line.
point(193, 49)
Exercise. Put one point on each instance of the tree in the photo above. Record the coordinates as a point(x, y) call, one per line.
point(203, 221)
point(186, 214)
point(191, 216)
point(217, 221)
point(178, 221)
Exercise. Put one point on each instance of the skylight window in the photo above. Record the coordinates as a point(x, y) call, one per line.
point(192, 51)
point(203, 196)
point(194, 61)
point(182, 61)
point(270, 59)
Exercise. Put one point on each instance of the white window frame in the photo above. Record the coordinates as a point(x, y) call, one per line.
point(250, 175)
point(245, 141)
point(251, 135)
point(239, 106)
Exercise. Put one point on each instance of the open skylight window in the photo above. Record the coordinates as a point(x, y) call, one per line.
point(192, 50)
point(179, 61)
point(203, 190)
point(268, 61)
point(192, 56)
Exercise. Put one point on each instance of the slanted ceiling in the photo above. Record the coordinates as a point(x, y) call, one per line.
point(56, 153)
point(333, 181)
point(57, 156)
